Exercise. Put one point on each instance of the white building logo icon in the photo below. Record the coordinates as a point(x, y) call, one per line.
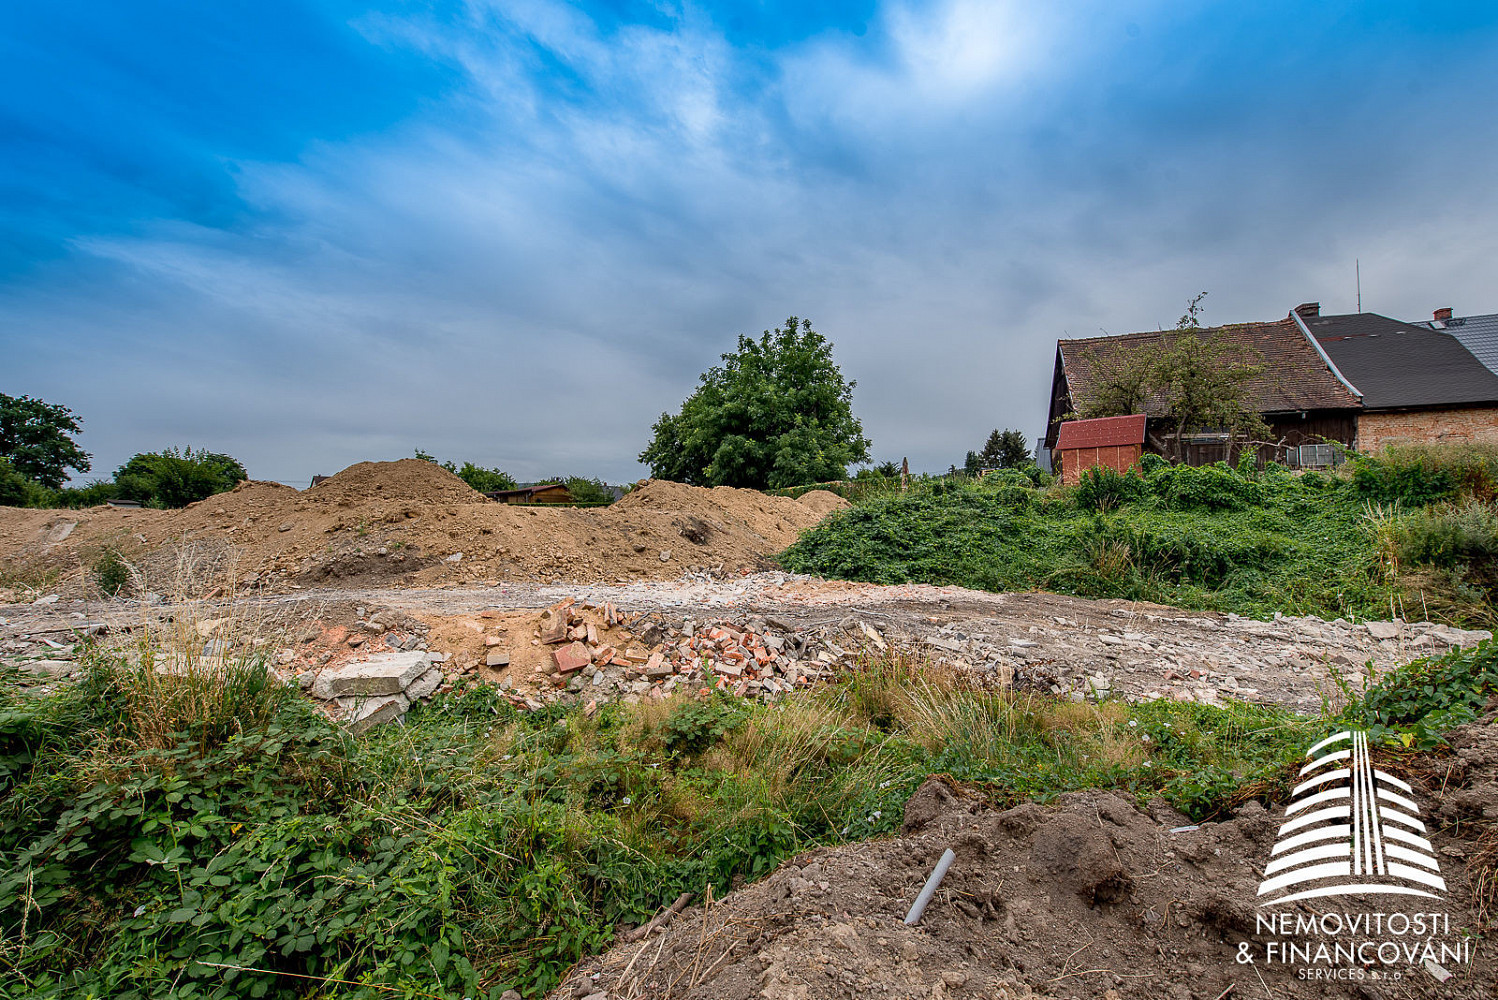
point(1350, 829)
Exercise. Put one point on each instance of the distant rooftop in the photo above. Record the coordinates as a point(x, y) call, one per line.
point(1396, 364)
point(1478, 334)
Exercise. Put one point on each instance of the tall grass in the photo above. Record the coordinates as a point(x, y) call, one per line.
point(473, 849)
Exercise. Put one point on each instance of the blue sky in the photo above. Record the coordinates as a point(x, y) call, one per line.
point(309, 234)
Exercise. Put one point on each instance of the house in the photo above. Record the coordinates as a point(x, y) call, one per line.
point(1112, 442)
point(540, 493)
point(1419, 384)
point(1478, 334)
point(1298, 393)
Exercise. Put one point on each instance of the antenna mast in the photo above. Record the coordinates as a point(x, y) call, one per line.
point(1358, 266)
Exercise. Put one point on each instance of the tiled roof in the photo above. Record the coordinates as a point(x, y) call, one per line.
point(1478, 334)
point(1102, 432)
point(1294, 376)
point(1396, 364)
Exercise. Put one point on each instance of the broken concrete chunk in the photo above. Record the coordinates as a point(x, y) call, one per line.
point(363, 712)
point(497, 659)
point(382, 674)
point(424, 685)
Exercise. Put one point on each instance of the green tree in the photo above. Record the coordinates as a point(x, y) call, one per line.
point(776, 413)
point(36, 438)
point(1005, 450)
point(482, 479)
point(1194, 379)
point(172, 478)
point(585, 490)
point(972, 465)
point(486, 480)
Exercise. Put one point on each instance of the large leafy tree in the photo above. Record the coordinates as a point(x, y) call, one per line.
point(777, 412)
point(36, 438)
point(172, 478)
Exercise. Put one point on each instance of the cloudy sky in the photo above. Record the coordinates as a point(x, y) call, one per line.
point(309, 234)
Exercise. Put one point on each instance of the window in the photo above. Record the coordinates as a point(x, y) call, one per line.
point(1315, 456)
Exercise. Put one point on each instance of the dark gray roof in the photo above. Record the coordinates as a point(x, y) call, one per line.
point(1478, 334)
point(1396, 364)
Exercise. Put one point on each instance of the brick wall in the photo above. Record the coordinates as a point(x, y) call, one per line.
point(1427, 427)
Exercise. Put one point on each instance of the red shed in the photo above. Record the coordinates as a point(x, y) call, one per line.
point(1113, 442)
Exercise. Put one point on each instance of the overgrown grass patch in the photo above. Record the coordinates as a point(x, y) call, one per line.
point(474, 849)
point(1409, 536)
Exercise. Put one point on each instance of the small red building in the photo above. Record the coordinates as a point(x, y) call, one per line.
point(1113, 442)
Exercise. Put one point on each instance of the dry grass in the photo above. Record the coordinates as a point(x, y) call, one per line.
point(201, 668)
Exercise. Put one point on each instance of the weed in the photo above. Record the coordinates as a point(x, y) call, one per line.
point(111, 573)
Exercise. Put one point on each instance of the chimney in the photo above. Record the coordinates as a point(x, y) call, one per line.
point(1442, 314)
point(1308, 310)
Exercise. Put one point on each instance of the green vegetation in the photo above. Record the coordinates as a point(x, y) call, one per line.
point(1424, 698)
point(1412, 533)
point(482, 479)
point(201, 833)
point(586, 491)
point(777, 413)
point(1190, 377)
point(36, 441)
point(173, 478)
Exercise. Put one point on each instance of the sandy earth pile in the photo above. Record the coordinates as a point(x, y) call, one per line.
point(1090, 898)
point(413, 523)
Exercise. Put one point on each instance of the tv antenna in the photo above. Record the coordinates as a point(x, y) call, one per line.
point(1358, 270)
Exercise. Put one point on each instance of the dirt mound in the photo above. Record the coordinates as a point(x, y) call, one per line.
point(822, 502)
point(1091, 897)
point(413, 523)
point(408, 480)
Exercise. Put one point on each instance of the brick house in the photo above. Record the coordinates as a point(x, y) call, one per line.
point(1299, 394)
point(1418, 384)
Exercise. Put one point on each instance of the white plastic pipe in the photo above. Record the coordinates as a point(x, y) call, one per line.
point(919, 906)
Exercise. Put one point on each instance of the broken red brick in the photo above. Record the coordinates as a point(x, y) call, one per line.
point(571, 657)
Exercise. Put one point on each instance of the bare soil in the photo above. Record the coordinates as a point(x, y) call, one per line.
point(1094, 896)
point(407, 523)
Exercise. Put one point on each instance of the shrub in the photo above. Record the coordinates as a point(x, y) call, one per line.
point(1432, 694)
point(15, 489)
point(172, 478)
point(111, 573)
point(1101, 488)
point(1448, 534)
point(1423, 474)
point(1209, 487)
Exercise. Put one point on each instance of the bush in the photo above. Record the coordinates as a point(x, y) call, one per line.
point(1423, 474)
point(1432, 694)
point(111, 573)
point(15, 489)
point(1448, 534)
point(172, 478)
point(1101, 488)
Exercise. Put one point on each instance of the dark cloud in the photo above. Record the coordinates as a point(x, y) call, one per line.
point(527, 269)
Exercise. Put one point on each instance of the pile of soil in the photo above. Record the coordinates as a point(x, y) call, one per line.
point(1092, 897)
point(413, 523)
point(410, 479)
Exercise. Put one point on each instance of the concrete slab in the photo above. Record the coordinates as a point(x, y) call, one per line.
point(383, 673)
